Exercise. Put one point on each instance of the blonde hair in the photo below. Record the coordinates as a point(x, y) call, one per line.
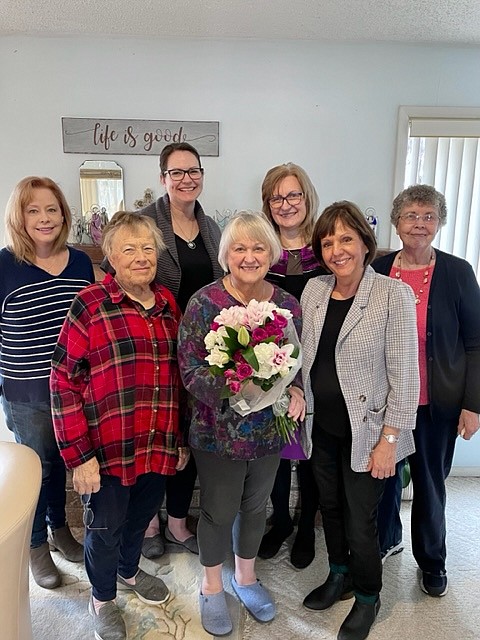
point(18, 240)
point(273, 177)
point(253, 225)
point(132, 221)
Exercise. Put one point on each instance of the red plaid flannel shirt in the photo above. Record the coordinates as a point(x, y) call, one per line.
point(115, 383)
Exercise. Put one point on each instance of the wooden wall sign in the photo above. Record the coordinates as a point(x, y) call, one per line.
point(136, 137)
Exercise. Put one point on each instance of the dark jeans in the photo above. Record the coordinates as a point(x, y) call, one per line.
point(179, 490)
point(280, 496)
point(348, 504)
point(429, 466)
point(124, 512)
point(31, 424)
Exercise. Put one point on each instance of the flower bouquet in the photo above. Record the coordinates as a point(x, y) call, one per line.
point(257, 352)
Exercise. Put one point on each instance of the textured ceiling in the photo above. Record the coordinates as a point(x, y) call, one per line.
point(422, 21)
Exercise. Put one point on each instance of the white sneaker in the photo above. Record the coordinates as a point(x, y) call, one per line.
point(392, 551)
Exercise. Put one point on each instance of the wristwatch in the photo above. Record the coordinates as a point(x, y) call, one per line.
point(390, 438)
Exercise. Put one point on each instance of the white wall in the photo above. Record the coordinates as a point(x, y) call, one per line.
point(330, 107)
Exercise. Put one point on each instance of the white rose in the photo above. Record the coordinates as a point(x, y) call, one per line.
point(217, 357)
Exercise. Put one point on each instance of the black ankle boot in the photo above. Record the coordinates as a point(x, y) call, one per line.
point(338, 586)
point(273, 540)
point(357, 624)
point(303, 550)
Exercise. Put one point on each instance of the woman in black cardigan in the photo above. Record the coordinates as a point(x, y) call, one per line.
point(448, 322)
point(188, 263)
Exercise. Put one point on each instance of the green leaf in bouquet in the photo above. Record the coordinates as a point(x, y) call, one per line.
point(225, 393)
point(295, 352)
point(232, 344)
point(215, 370)
point(251, 358)
point(231, 332)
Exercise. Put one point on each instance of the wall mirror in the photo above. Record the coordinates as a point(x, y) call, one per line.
point(101, 195)
point(101, 184)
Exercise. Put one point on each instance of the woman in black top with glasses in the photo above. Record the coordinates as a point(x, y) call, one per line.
point(188, 263)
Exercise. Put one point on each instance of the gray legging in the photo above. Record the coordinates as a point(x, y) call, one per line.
point(233, 493)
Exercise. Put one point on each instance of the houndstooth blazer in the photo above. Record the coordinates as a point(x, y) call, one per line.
point(376, 358)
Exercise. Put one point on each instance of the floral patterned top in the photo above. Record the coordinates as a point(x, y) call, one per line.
point(215, 427)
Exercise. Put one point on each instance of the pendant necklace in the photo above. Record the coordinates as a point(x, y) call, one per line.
point(190, 243)
point(426, 275)
point(294, 254)
point(239, 295)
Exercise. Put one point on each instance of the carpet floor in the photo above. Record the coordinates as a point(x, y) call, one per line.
point(406, 612)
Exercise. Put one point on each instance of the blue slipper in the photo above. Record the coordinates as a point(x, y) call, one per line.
point(256, 599)
point(214, 614)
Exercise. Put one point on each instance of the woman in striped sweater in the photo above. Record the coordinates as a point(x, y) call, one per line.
point(39, 277)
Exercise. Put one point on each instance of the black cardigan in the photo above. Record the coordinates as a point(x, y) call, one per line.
point(453, 335)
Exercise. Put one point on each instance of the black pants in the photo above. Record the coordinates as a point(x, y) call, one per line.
point(429, 466)
point(280, 496)
point(179, 490)
point(348, 504)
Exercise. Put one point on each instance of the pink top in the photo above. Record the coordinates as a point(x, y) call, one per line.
point(416, 279)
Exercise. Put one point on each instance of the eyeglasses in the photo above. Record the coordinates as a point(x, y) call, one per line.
point(293, 198)
point(177, 175)
point(411, 218)
point(88, 515)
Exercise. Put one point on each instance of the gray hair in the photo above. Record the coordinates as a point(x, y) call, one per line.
point(132, 221)
point(253, 225)
point(421, 194)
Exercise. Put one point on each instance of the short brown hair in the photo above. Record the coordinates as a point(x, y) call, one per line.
point(167, 151)
point(18, 240)
point(350, 215)
point(276, 175)
point(133, 221)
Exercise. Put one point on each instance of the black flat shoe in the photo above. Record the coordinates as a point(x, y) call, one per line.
point(357, 624)
point(303, 550)
point(338, 586)
point(272, 541)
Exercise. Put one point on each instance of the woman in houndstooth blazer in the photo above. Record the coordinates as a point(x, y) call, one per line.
point(361, 382)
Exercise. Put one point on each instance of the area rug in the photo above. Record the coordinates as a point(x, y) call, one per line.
point(406, 612)
point(63, 612)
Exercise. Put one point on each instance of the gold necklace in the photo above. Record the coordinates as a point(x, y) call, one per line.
point(239, 295)
point(426, 274)
point(189, 240)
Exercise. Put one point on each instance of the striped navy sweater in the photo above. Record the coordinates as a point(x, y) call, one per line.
point(33, 306)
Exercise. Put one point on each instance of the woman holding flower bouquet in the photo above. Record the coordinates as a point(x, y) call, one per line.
point(238, 353)
point(361, 380)
point(290, 202)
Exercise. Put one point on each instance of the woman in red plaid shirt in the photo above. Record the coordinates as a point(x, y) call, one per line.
point(115, 387)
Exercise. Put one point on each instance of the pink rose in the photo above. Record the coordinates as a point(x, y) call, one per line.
point(238, 357)
point(244, 371)
point(230, 374)
point(279, 320)
point(214, 326)
point(234, 386)
point(259, 335)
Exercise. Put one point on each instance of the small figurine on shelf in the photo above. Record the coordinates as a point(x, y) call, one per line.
point(148, 198)
point(222, 217)
point(371, 216)
point(96, 225)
